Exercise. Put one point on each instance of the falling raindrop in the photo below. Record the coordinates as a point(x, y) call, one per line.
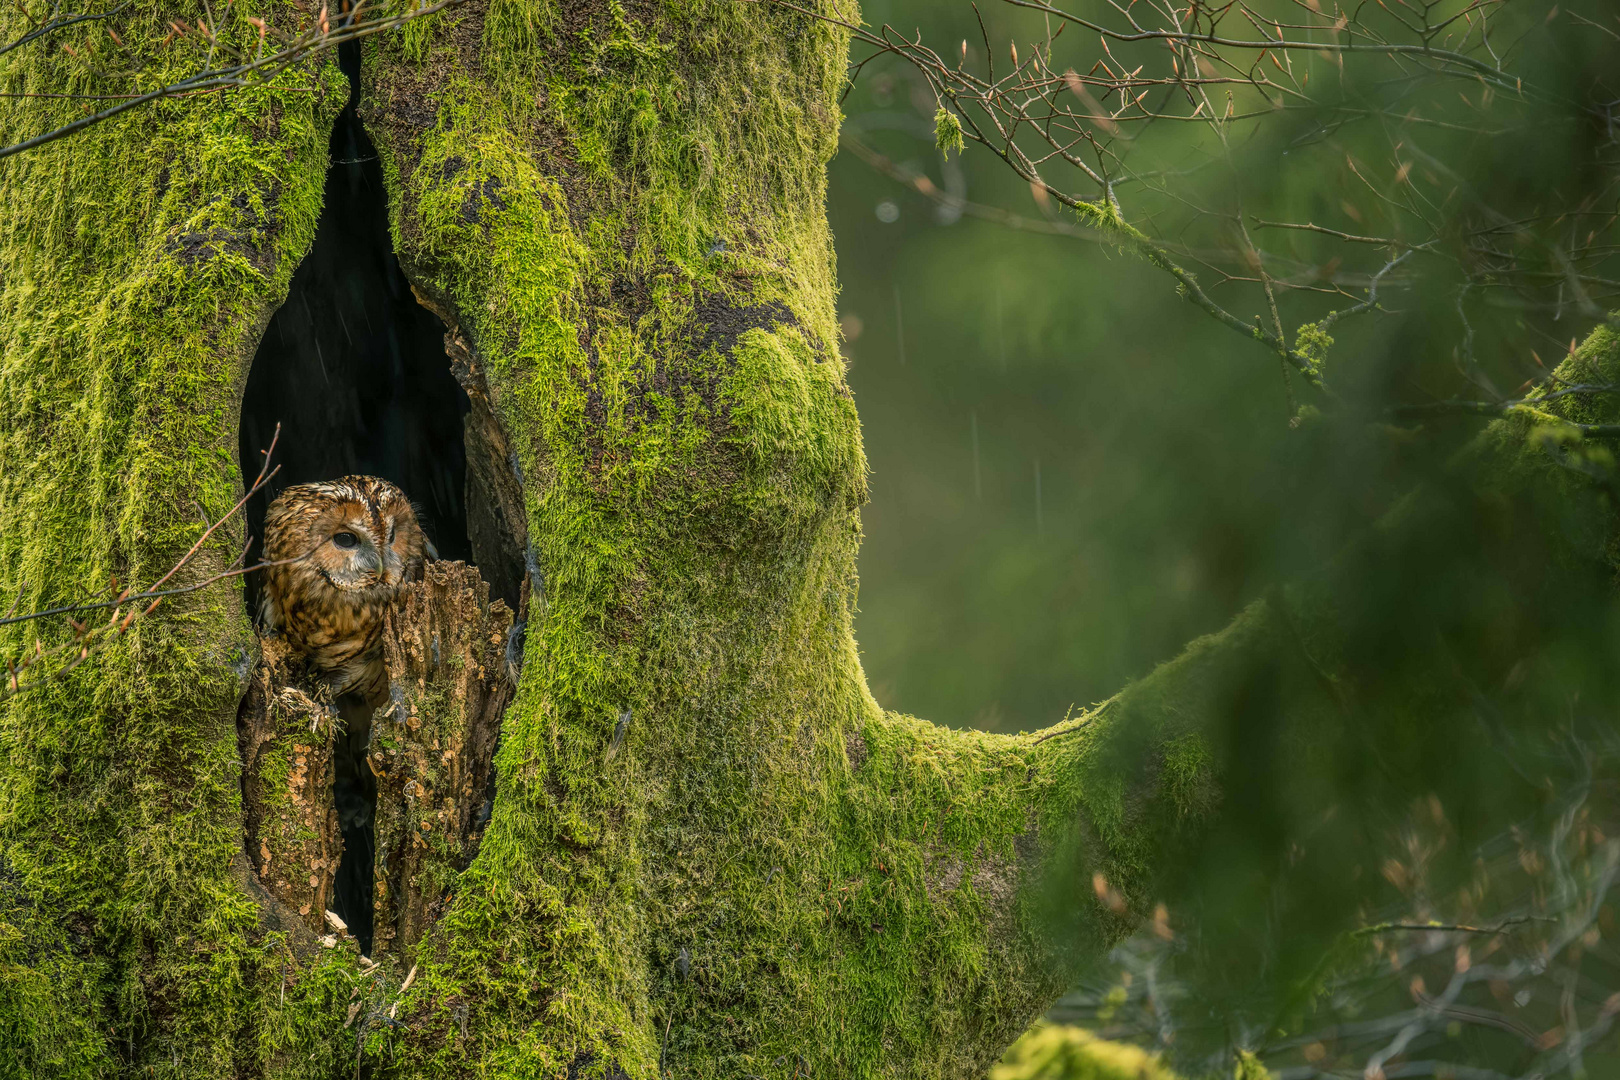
point(899, 325)
point(1001, 338)
point(888, 212)
point(973, 423)
point(1039, 524)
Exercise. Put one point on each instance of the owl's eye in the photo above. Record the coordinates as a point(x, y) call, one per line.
point(345, 540)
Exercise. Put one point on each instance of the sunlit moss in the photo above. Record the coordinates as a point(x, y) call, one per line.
point(1059, 1052)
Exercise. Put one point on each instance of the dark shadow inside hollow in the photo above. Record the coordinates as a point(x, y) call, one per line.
point(352, 367)
point(355, 371)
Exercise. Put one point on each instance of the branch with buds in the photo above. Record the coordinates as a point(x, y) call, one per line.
point(1516, 971)
point(1074, 119)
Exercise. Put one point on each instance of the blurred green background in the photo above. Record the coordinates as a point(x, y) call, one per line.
point(1075, 473)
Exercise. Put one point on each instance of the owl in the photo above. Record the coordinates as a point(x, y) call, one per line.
point(346, 548)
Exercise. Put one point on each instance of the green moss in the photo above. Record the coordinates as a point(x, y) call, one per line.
point(138, 262)
point(51, 1008)
point(1057, 1052)
point(1250, 1067)
point(1188, 772)
point(947, 131)
point(1312, 342)
point(794, 424)
point(1560, 462)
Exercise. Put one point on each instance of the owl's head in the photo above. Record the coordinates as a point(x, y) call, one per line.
point(358, 536)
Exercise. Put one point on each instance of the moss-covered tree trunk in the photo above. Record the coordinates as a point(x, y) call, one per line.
point(710, 853)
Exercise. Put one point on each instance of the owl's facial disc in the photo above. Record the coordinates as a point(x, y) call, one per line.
point(350, 559)
point(355, 542)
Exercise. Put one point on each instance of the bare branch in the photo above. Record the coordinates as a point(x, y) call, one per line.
point(54, 25)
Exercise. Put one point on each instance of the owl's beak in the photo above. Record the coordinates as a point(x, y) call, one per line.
point(366, 560)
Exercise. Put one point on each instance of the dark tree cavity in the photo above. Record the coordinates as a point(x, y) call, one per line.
point(351, 366)
point(354, 370)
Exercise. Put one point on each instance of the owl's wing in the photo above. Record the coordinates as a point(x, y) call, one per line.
point(429, 552)
point(269, 619)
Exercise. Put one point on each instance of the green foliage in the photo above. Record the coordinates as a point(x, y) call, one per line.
point(947, 131)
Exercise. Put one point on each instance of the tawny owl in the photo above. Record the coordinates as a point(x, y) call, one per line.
point(354, 543)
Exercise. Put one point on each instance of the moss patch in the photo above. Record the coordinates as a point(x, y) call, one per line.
point(1056, 1052)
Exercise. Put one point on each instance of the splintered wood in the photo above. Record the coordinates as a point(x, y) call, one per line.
point(432, 747)
point(286, 737)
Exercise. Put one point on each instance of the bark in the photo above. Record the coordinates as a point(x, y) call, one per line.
point(709, 852)
point(288, 736)
point(433, 749)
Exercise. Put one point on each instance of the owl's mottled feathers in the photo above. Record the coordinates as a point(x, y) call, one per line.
point(354, 543)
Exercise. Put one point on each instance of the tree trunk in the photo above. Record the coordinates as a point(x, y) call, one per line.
point(708, 851)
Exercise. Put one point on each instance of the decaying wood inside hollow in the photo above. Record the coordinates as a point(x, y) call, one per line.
point(286, 734)
point(497, 526)
point(431, 748)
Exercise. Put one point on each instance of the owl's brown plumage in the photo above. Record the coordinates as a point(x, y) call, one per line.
point(356, 543)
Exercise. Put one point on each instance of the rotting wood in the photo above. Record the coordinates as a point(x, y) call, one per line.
point(286, 737)
point(432, 747)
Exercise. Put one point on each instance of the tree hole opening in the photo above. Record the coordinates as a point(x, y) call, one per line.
point(355, 371)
